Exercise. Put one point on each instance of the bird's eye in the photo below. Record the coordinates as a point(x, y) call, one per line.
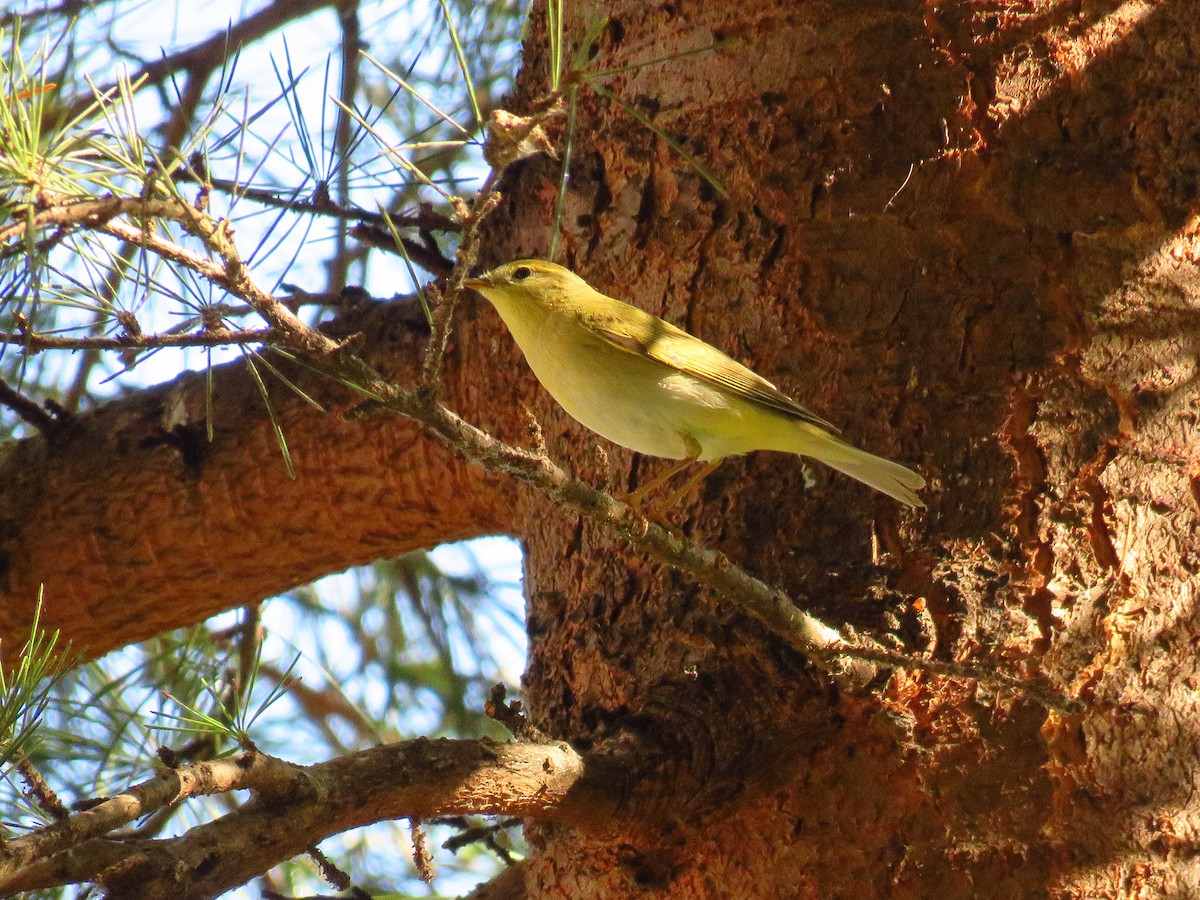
point(520, 273)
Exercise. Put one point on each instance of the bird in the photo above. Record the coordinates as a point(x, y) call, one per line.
point(649, 386)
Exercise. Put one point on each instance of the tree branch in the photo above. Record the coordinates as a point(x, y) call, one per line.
point(202, 59)
point(35, 343)
point(216, 235)
point(824, 645)
point(293, 808)
point(321, 204)
point(31, 412)
point(782, 614)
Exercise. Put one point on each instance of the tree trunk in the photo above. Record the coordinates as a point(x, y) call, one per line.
point(966, 235)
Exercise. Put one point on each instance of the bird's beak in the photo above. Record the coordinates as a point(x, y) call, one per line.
point(476, 284)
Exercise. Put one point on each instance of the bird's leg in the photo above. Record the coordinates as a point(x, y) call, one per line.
point(673, 500)
point(659, 512)
point(635, 499)
point(693, 448)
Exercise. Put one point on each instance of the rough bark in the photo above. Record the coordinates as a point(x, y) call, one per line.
point(293, 808)
point(968, 234)
point(130, 521)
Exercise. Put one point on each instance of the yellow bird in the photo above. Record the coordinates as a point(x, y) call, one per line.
point(645, 384)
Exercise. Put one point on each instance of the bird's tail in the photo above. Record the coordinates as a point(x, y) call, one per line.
point(874, 471)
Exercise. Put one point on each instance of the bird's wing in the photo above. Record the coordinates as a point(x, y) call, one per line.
point(652, 338)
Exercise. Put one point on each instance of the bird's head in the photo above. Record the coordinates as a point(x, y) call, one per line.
point(528, 281)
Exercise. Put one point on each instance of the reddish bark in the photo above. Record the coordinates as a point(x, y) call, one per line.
point(966, 234)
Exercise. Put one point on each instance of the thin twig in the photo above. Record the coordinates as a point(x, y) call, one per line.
point(343, 137)
point(35, 343)
point(228, 272)
point(468, 251)
point(782, 615)
point(27, 409)
point(319, 204)
point(850, 664)
point(331, 873)
point(380, 237)
point(206, 56)
point(422, 861)
point(40, 790)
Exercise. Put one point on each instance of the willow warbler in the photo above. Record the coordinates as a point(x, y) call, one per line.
point(649, 386)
